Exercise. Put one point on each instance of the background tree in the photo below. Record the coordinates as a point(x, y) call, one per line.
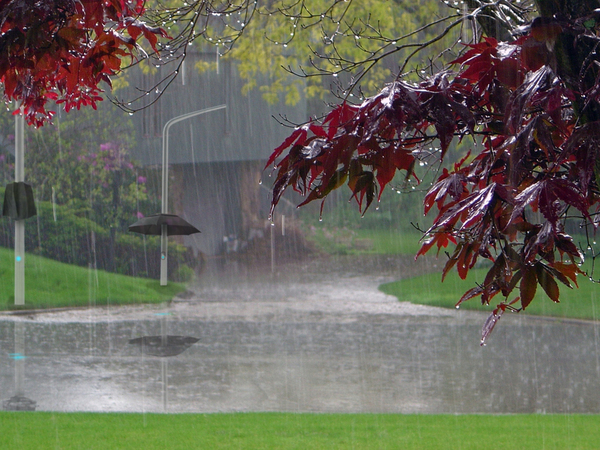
point(340, 44)
point(315, 45)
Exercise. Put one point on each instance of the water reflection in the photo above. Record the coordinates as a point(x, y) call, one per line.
point(18, 402)
point(163, 346)
point(304, 362)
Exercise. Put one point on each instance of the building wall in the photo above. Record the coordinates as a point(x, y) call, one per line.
point(219, 199)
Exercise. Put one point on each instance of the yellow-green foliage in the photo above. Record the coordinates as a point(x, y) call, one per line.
point(286, 36)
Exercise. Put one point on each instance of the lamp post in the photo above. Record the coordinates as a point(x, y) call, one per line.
point(19, 224)
point(165, 184)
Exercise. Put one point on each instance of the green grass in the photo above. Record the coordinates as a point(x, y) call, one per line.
point(391, 242)
point(582, 303)
point(360, 241)
point(50, 284)
point(39, 431)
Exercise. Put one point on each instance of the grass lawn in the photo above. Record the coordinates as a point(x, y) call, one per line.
point(50, 284)
point(582, 303)
point(40, 430)
point(383, 241)
point(391, 242)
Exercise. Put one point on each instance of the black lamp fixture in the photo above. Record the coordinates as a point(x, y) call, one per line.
point(18, 201)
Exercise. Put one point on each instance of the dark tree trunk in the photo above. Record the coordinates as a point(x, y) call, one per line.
point(566, 8)
point(572, 55)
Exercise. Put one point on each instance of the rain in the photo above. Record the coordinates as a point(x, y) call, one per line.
point(268, 321)
point(193, 298)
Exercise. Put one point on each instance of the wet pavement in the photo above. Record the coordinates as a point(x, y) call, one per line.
point(307, 340)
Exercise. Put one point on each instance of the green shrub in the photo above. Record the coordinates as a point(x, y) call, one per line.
point(183, 273)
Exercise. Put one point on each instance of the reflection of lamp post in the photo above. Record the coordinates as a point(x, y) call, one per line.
point(165, 184)
point(164, 346)
point(19, 402)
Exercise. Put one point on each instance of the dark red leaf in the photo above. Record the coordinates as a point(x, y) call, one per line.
point(490, 323)
point(528, 286)
point(297, 137)
point(568, 270)
point(475, 205)
point(520, 99)
point(546, 280)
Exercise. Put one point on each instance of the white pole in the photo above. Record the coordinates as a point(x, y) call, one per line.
point(165, 184)
point(164, 366)
point(273, 245)
point(19, 359)
point(19, 224)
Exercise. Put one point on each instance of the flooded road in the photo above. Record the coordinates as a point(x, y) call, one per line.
point(333, 344)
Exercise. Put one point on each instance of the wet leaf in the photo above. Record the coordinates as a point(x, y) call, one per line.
point(569, 271)
point(452, 184)
point(490, 323)
point(547, 282)
point(528, 286)
point(522, 97)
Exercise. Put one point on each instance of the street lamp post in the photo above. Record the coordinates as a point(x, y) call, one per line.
point(19, 224)
point(165, 184)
